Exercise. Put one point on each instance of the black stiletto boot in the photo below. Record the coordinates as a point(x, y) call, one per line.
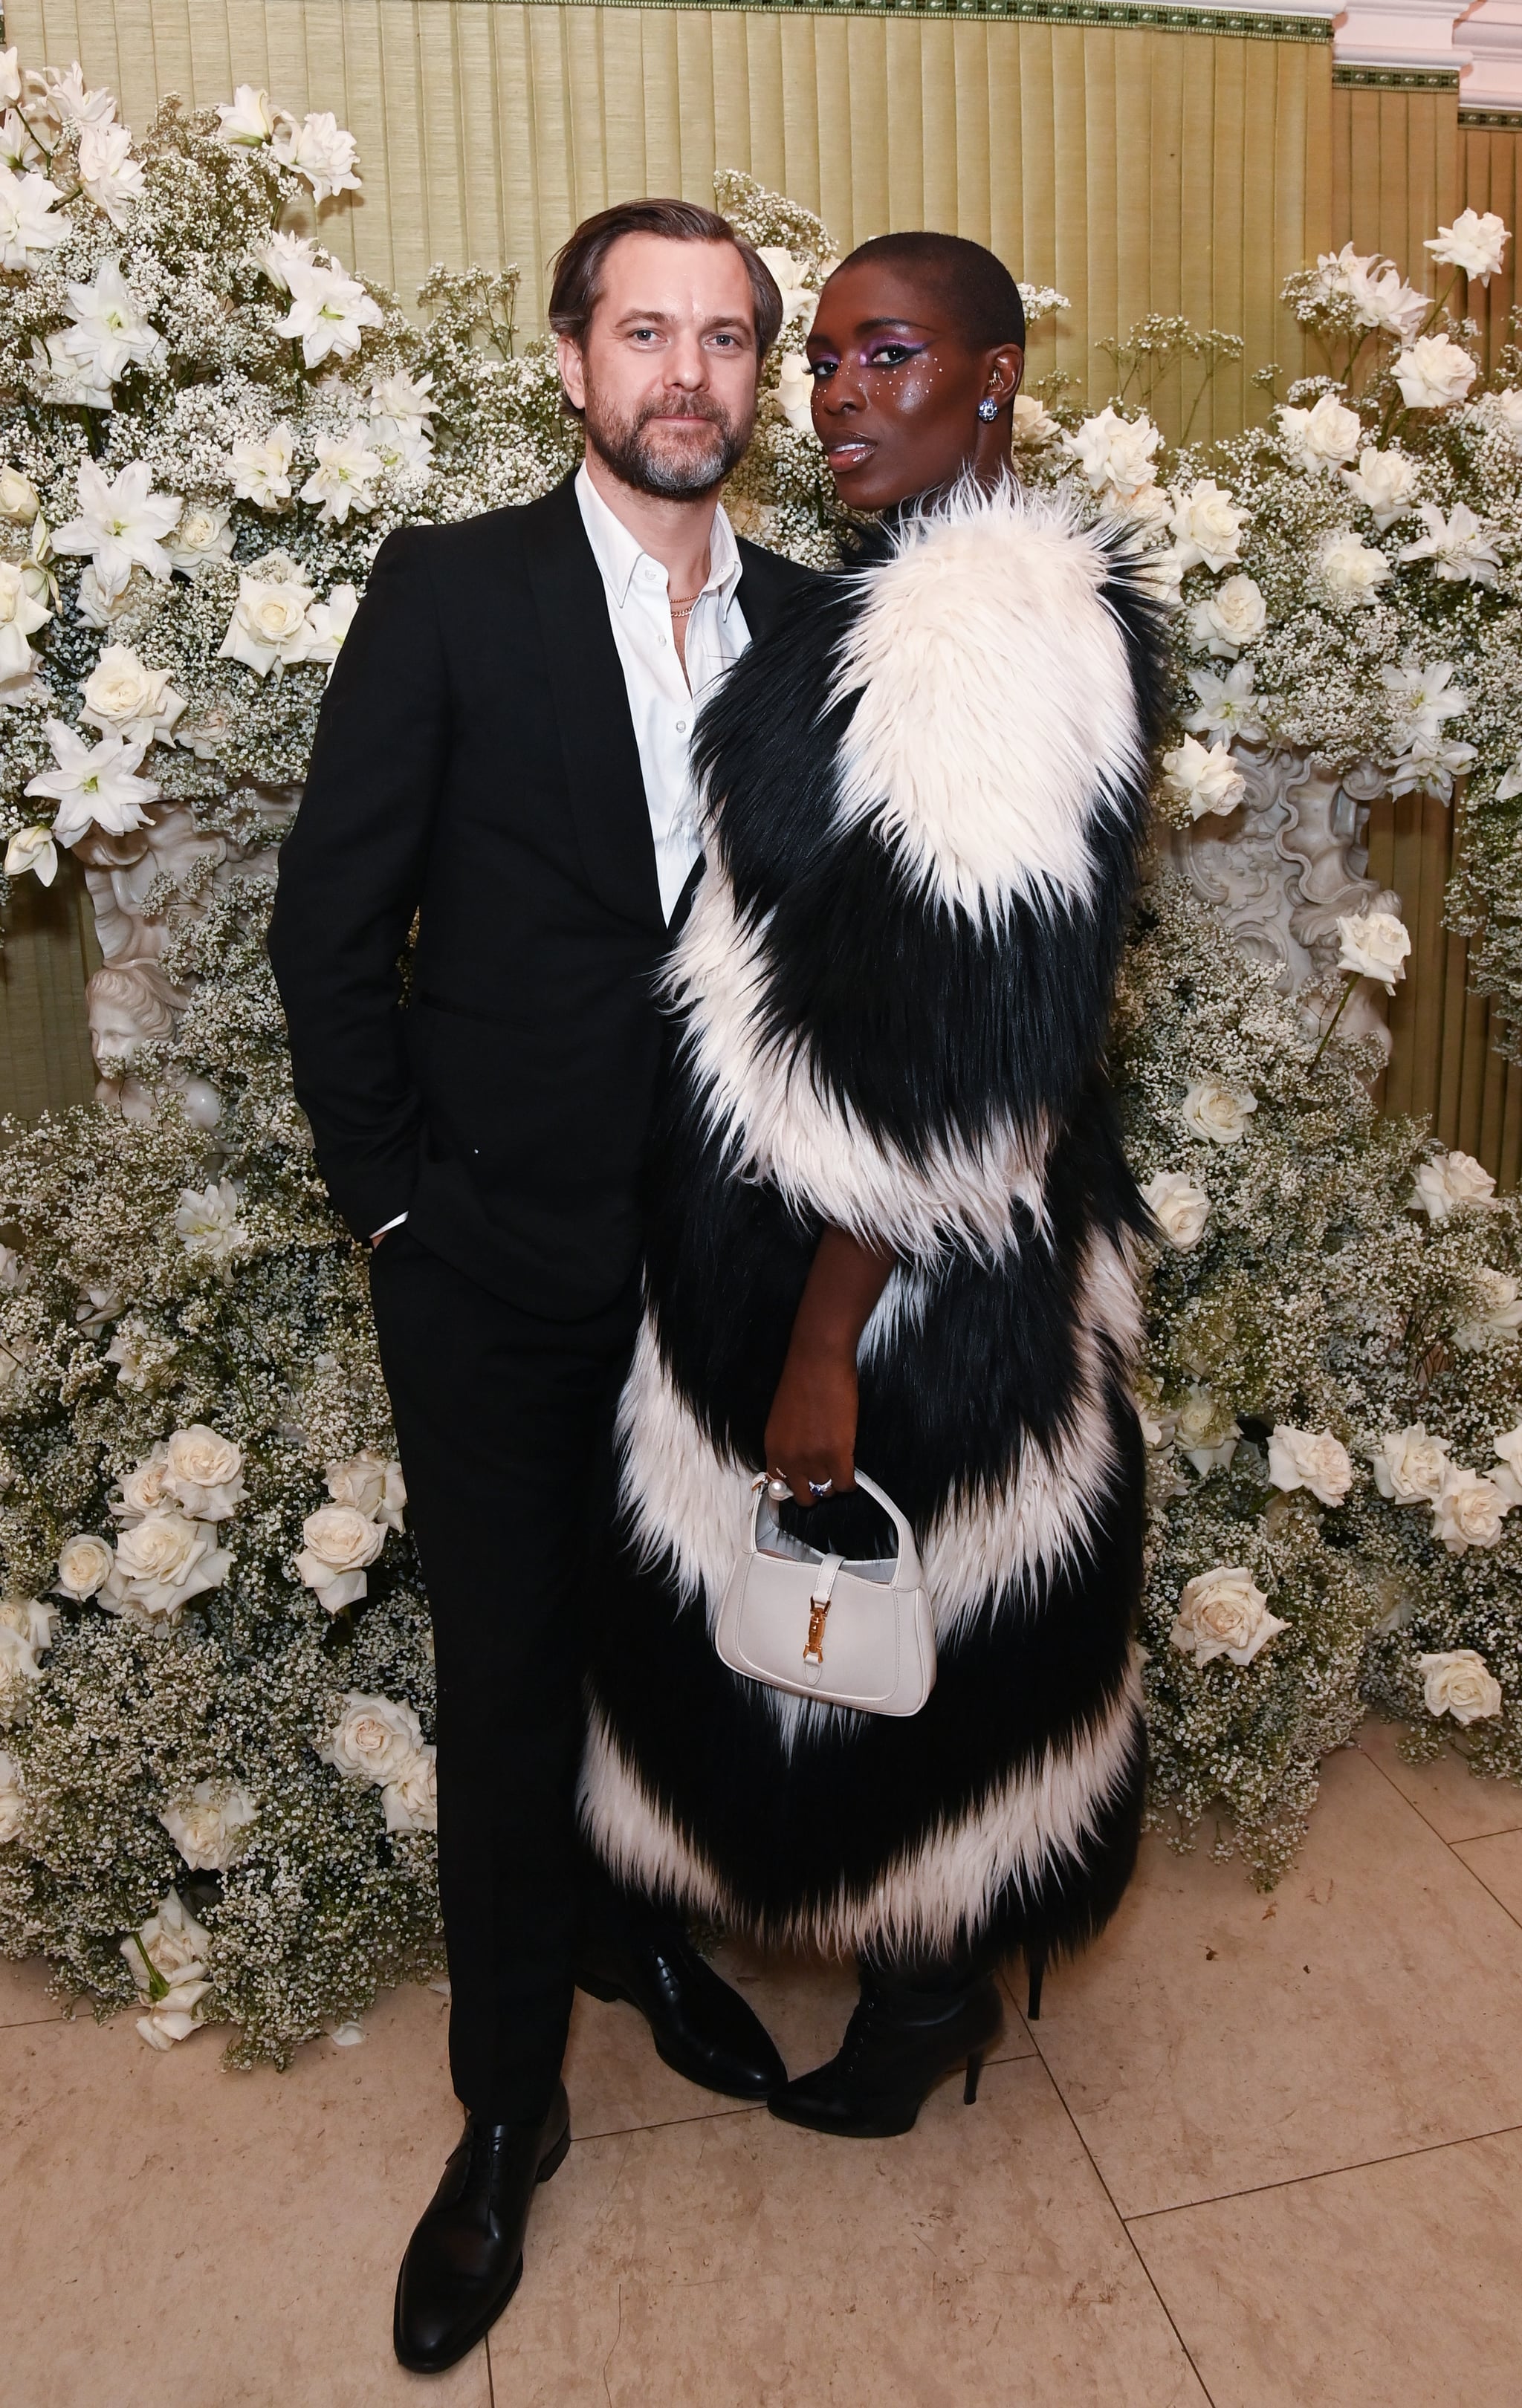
point(899, 2042)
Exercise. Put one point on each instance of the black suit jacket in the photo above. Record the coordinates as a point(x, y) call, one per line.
point(475, 767)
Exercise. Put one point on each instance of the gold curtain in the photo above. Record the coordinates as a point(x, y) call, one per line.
point(50, 952)
point(1402, 164)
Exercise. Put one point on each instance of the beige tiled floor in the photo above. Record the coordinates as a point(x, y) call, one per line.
point(1256, 2152)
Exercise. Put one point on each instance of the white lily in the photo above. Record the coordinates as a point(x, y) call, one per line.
point(111, 177)
point(344, 477)
point(27, 224)
point(93, 785)
point(1458, 546)
point(121, 524)
point(329, 313)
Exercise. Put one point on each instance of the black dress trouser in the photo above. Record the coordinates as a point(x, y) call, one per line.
point(504, 1426)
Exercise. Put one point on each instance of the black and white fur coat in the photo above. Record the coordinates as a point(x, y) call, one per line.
point(927, 793)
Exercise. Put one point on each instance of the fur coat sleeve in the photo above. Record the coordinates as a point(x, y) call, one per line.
point(927, 792)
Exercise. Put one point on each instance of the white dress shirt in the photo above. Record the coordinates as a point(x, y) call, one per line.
point(663, 703)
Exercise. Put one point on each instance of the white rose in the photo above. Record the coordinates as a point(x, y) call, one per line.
point(1385, 482)
point(124, 698)
point(1224, 1613)
point(375, 1740)
point(372, 1483)
point(1178, 1207)
point(144, 1489)
point(12, 1798)
point(83, 1567)
point(1351, 568)
point(1234, 615)
point(269, 626)
point(28, 1627)
point(1031, 427)
point(410, 1799)
point(1205, 779)
point(1450, 1181)
point(1207, 525)
point(1468, 1510)
point(1508, 1477)
point(1203, 1441)
point(1475, 243)
point(203, 534)
point(206, 1222)
point(1312, 1459)
point(208, 1826)
point(1319, 440)
point(340, 1542)
point(1499, 1316)
point(1434, 373)
point(18, 497)
point(1374, 944)
point(1410, 1466)
point(161, 1563)
point(1460, 1683)
point(166, 1956)
point(203, 1470)
point(794, 392)
point(1219, 1113)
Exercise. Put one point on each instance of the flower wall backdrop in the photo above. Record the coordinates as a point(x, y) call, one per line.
point(216, 1777)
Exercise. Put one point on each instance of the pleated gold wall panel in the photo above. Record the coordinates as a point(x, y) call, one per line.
point(1443, 1065)
point(1490, 178)
point(1135, 169)
point(49, 951)
point(1395, 169)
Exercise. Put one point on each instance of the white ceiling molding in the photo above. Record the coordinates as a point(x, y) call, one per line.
point(1492, 35)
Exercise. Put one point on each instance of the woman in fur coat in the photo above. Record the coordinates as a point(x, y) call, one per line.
point(891, 1222)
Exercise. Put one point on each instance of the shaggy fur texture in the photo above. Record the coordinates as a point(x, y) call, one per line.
point(927, 794)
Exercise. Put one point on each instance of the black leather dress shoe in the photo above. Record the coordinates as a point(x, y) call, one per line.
point(466, 2259)
point(897, 2046)
point(702, 2027)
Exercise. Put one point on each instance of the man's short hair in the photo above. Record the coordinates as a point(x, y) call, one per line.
point(978, 287)
point(579, 264)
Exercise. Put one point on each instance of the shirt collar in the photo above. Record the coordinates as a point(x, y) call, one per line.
point(618, 552)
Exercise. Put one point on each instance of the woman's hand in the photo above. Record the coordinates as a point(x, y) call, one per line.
point(812, 1428)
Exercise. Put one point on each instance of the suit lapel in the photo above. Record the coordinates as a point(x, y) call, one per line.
point(761, 590)
point(592, 709)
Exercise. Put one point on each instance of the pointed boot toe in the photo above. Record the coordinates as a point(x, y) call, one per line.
point(897, 2046)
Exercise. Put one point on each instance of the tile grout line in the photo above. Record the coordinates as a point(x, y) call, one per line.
point(1422, 1818)
point(1130, 2237)
point(1324, 2173)
point(1453, 1847)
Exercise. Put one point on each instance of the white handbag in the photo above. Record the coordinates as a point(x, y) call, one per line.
point(849, 1634)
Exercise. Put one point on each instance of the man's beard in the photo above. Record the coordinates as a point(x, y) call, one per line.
point(626, 445)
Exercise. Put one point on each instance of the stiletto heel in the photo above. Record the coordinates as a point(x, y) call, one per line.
point(1035, 1968)
point(898, 2044)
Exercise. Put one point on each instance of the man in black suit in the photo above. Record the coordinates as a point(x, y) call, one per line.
point(502, 756)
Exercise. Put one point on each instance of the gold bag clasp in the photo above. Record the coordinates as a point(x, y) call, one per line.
point(813, 1651)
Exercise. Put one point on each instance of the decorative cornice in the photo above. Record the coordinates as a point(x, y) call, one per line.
point(1396, 79)
point(1132, 16)
point(1500, 121)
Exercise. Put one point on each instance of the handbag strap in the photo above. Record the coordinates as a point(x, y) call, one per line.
point(909, 1554)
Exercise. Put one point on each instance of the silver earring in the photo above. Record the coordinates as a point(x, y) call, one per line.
point(987, 408)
